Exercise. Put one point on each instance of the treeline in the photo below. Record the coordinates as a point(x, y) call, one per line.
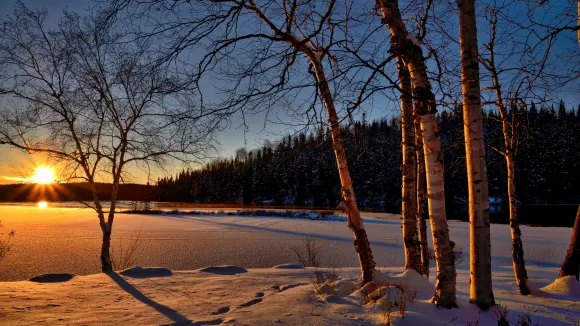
point(72, 192)
point(301, 169)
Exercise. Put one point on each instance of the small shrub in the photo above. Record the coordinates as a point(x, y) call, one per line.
point(5, 243)
point(323, 281)
point(125, 254)
point(500, 313)
point(307, 255)
point(389, 296)
point(525, 318)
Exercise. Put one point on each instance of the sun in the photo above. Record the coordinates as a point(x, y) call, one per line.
point(43, 175)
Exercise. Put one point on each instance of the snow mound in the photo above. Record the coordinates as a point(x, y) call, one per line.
point(410, 278)
point(567, 285)
point(289, 266)
point(52, 278)
point(146, 272)
point(224, 270)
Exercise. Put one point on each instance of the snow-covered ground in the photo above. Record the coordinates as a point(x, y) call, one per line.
point(269, 296)
point(65, 240)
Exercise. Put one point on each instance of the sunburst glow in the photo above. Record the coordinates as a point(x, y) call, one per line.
point(43, 175)
point(42, 204)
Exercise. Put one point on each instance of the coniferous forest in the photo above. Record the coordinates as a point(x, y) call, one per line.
point(300, 170)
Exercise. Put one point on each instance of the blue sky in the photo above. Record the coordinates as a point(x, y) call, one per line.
point(16, 164)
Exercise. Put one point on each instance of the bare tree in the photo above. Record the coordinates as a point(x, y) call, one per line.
point(481, 291)
point(85, 95)
point(274, 36)
point(516, 74)
point(425, 256)
point(406, 46)
point(409, 166)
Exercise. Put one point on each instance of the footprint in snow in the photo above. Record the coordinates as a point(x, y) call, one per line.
point(210, 322)
point(221, 311)
point(250, 303)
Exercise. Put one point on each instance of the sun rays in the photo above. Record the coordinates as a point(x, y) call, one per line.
point(43, 175)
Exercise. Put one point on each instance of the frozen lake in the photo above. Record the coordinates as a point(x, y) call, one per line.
point(51, 240)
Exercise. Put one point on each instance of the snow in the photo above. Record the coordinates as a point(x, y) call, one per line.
point(267, 296)
point(412, 279)
point(210, 273)
point(567, 286)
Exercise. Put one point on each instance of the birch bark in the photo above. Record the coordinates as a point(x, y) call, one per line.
point(481, 291)
point(409, 167)
point(425, 259)
point(405, 46)
point(571, 264)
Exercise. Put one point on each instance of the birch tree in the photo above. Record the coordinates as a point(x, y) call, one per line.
point(424, 245)
point(409, 166)
point(511, 138)
point(82, 95)
point(276, 36)
point(481, 292)
point(405, 46)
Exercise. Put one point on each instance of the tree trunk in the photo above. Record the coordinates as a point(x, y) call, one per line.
point(406, 47)
point(425, 259)
point(106, 263)
point(355, 223)
point(361, 242)
point(509, 136)
point(571, 264)
point(517, 246)
point(409, 186)
point(481, 292)
point(446, 273)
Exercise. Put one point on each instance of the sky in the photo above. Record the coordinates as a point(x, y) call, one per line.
point(15, 165)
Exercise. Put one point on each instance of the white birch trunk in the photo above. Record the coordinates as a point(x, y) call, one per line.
point(481, 292)
point(409, 167)
point(355, 222)
point(406, 47)
point(425, 257)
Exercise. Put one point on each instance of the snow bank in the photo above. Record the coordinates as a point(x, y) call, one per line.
point(224, 270)
point(52, 278)
point(411, 279)
point(288, 266)
point(567, 285)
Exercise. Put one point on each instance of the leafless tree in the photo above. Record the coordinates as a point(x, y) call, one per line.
point(567, 21)
point(87, 95)
point(481, 291)
point(407, 47)
point(274, 53)
point(409, 169)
